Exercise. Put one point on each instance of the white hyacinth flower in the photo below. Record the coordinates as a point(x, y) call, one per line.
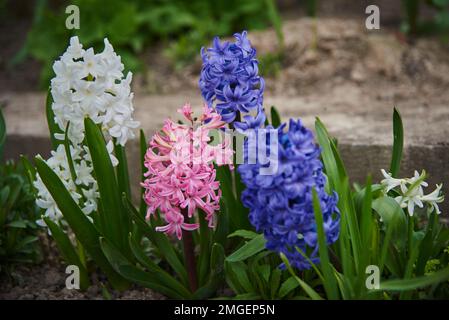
point(411, 192)
point(434, 198)
point(89, 84)
point(86, 84)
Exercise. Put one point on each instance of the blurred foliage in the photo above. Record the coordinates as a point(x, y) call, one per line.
point(438, 24)
point(183, 26)
point(18, 214)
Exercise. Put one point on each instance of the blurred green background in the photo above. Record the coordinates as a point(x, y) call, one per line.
point(180, 27)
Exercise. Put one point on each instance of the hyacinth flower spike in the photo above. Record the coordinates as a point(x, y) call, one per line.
point(231, 84)
point(181, 178)
point(281, 204)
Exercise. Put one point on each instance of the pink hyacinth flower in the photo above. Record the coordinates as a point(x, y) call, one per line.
point(181, 174)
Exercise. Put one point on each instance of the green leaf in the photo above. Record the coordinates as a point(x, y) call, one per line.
point(84, 230)
point(21, 224)
point(68, 154)
point(222, 229)
point(314, 266)
point(204, 258)
point(329, 283)
point(2, 132)
point(392, 214)
point(143, 150)
point(288, 286)
point(415, 283)
point(309, 290)
point(122, 169)
point(29, 168)
point(246, 234)
point(160, 241)
point(275, 118)
point(163, 277)
point(52, 126)
point(367, 223)
point(338, 180)
point(21, 245)
point(134, 274)
point(414, 246)
point(238, 272)
point(225, 177)
point(426, 245)
point(216, 273)
point(398, 143)
point(115, 223)
point(242, 212)
point(248, 296)
point(249, 249)
point(68, 251)
point(15, 187)
point(275, 281)
point(327, 155)
point(264, 271)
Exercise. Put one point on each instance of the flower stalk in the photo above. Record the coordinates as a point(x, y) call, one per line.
point(189, 255)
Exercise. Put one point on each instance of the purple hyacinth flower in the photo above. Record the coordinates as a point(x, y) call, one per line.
point(230, 81)
point(281, 204)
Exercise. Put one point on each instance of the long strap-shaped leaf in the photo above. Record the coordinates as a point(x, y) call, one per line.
point(339, 181)
point(216, 275)
point(134, 274)
point(330, 283)
point(116, 224)
point(415, 283)
point(84, 230)
point(143, 150)
point(307, 289)
point(52, 126)
point(398, 143)
point(122, 169)
point(160, 240)
point(161, 276)
point(249, 249)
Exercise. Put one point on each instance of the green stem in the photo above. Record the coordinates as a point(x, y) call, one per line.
point(189, 255)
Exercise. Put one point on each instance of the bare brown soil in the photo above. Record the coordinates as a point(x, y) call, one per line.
point(46, 281)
